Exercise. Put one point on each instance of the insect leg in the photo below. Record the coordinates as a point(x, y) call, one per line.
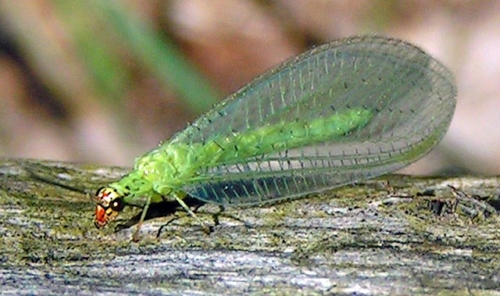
point(135, 237)
point(206, 229)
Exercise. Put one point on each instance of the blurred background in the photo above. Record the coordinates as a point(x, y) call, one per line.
point(104, 81)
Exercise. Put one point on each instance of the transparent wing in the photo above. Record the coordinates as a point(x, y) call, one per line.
point(411, 96)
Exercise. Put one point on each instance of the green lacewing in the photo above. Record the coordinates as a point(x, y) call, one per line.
point(349, 110)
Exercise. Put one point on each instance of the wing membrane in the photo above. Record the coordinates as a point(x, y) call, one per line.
point(410, 95)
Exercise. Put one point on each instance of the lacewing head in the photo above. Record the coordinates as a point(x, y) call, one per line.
point(109, 205)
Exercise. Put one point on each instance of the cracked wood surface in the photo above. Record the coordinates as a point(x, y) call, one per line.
point(368, 238)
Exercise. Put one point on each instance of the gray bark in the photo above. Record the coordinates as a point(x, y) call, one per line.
point(368, 238)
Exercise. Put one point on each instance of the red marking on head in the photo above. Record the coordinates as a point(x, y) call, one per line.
point(102, 194)
point(101, 218)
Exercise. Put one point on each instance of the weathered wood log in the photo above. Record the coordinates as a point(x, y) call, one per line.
point(366, 238)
